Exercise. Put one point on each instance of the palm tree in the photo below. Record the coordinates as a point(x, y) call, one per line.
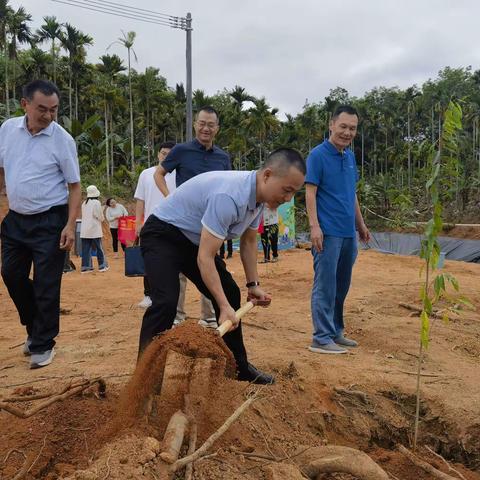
point(73, 41)
point(110, 67)
point(261, 121)
point(50, 30)
point(200, 99)
point(19, 33)
point(34, 63)
point(240, 96)
point(179, 111)
point(127, 41)
point(5, 12)
point(152, 93)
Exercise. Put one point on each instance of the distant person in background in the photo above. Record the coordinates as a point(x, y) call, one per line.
point(269, 235)
point(113, 212)
point(229, 249)
point(39, 168)
point(148, 196)
point(334, 215)
point(91, 232)
point(193, 158)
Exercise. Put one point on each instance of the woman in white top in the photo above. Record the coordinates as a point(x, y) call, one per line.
point(113, 212)
point(270, 234)
point(91, 231)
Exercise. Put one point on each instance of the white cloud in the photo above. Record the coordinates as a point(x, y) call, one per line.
point(291, 51)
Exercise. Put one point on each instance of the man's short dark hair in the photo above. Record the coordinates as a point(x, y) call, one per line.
point(43, 86)
point(344, 109)
point(166, 145)
point(109, 201)
point(281, 159)
point(208, 109)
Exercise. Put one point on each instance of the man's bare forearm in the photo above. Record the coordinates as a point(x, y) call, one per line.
point(208, 271)
point(159, 177)
point(74, 201)
point(311, 204)
point(139, 212)
point(358, 214)
point(248, 255)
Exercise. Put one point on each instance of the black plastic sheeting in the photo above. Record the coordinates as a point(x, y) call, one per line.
point(409, 244)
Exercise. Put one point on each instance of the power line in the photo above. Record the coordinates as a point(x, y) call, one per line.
point(126, 7)
point(148, 16)
point(111, 11)
point(171, 23)
point(151, 15)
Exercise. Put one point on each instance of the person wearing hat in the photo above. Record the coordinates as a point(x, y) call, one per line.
point(91, 231)
point(39, 167)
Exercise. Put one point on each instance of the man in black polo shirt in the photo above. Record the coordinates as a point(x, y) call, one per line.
point(198, 156)
point(189, 159)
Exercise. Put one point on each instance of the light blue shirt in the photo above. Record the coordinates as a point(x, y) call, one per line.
point(37, 167)
point(222, 202)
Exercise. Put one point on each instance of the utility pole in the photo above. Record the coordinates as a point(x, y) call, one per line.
point(188, 29)
point(135, 13)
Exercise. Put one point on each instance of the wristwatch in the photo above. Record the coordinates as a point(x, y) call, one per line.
point(252, 284)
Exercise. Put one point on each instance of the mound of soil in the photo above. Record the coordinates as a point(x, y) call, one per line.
point(188, 339)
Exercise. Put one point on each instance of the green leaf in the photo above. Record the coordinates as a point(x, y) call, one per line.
point(465, 301)
point(425, 331)
point(439, 285)
point(454, 283)
point(422, 293)
point(90, 122)
point(427, 305)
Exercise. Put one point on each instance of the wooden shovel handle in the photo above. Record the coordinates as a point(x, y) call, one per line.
point(227, 325)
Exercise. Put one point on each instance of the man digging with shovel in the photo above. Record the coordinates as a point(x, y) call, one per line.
point(184, 234)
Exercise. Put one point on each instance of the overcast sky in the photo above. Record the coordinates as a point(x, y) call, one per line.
point(290, 51)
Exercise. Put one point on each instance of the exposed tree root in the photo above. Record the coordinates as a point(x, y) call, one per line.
point(214, 437)
point(66, 392)
point(337, 459)
point(426, 467)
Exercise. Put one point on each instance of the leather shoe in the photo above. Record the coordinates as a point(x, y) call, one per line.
point(253, 375)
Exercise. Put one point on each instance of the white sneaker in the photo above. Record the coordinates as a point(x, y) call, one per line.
point(145, 303)
point(42, 359)
point(104, 269)
point(208, 322)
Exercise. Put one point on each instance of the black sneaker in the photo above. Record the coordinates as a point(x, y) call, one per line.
point(253, 375)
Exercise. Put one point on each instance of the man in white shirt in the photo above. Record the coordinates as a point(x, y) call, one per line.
point(39, 165)
point(148, 196)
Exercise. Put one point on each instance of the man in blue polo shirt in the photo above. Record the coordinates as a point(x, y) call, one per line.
point(334, 216)
point(39, 164)
point(188, 160)
point(184, 234)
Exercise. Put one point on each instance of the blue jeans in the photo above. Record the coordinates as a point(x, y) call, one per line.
point(333, 273)
point(87, 244)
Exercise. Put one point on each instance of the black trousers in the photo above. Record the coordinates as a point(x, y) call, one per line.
point(146, 286)
point(167, 252)
point(270, 241)
point(229, 249)
point(34, 239)
point(114, 232)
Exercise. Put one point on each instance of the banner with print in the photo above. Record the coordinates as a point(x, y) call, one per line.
point(286, 225)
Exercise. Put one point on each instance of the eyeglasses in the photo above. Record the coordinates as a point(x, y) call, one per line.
point(209, 125)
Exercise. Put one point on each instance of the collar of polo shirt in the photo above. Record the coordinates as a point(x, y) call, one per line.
point(200, 145)
point(46, 131)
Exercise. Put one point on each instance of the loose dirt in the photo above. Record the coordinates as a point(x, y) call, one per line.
point(310, 405)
